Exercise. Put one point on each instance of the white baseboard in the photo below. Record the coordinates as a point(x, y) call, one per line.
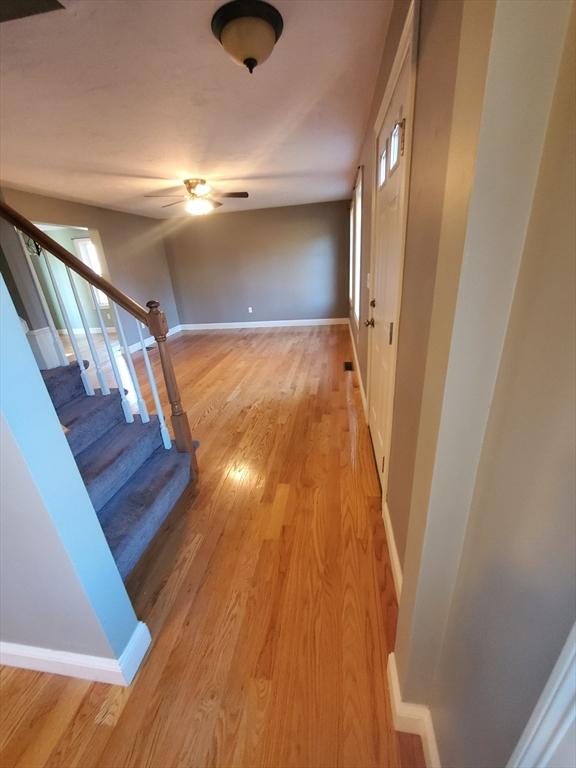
point(230, 326)
point(64, 332)
point(393, 551)
point(412, 718)
point(358, 373)
point(97, 668)
point(150, 340)
point(260, 324)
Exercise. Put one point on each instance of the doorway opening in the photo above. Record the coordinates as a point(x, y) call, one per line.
point(82, 316)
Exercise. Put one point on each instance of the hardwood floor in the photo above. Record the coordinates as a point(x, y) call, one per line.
point(268, 592)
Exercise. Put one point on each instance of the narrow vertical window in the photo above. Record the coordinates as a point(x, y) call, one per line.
point(357, 243)
point(382, 165)
point(351, 270)
point(394, 146)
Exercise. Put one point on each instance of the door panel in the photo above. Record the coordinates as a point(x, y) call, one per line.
point(387, 267)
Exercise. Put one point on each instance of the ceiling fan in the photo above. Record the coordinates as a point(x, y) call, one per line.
point(199, 197)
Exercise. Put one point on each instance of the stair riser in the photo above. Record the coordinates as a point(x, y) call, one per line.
point(126, 561)
point(63, 384)
point(132, 480)
point(122, 466)
point(132, 518)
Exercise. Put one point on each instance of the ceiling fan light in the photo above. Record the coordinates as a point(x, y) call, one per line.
point(248, 30)
point(199, 206)
point(202, 189)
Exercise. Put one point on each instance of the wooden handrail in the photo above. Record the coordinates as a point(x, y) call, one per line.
point(154, 319)
point(124, 301)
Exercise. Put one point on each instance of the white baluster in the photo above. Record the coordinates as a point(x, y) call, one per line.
point(128, 415)
point(163, 428)
point(143, 410)
point(58, 348)
point(93, 351)
point(89, 389)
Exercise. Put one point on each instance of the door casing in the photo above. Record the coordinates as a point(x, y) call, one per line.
point(406, 51)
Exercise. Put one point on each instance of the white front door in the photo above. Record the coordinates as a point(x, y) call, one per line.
point(387, 265)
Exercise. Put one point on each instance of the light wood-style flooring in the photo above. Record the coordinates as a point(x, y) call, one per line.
point(268, 592)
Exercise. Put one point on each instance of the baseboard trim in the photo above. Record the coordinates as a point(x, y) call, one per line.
point(412, 718)
point(392, 550)
point(231, 326)
point(260, 324)
point(97, 668)
point(64, 332)
point(150, 340)
point(358, 374)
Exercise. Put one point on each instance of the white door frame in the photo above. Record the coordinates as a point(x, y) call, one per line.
point(407, 49)
point(553, 716)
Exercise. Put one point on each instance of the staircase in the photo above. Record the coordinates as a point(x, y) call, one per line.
point(131, 478)
point(132, 472)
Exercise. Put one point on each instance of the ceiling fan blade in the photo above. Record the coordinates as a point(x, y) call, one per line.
point(231, 194)
point(163, 195)
point(169, 204)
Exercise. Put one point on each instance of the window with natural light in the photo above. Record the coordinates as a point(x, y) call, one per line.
point(351, 269)
point(382, 166)
point(394, 146)
point(356, 245)
point(89, 255)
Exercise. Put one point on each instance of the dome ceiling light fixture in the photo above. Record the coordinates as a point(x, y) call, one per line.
point(248, 30)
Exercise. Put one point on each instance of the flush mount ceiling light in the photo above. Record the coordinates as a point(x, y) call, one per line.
point(248, 30)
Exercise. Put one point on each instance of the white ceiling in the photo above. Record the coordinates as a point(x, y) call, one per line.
point(107, 101)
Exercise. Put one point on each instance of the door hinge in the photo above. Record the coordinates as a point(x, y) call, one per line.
point(372, 302)
point(383, 462)
point(402, 135)
point(390, 333)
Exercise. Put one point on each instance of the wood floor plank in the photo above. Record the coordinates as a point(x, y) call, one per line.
point(268, 590)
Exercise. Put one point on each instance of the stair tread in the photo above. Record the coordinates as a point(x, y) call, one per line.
point(109, 462)
point(133, 516)
point(51, 374)
point(64, 383)
point(85, 419)
point(73, 410)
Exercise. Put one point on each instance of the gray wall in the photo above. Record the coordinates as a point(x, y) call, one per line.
point(439, 43)
point(6, 273)
point(287, 263)
point(515, 597)
point(60, 588)
point(133, 246)
point(43, 603)
point(20, 276)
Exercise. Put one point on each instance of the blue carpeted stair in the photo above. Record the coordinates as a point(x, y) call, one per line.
point(133, 481)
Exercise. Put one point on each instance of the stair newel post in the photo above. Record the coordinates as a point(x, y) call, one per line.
point(158, 327)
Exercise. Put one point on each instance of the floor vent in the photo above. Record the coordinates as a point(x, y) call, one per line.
point(348, 366)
